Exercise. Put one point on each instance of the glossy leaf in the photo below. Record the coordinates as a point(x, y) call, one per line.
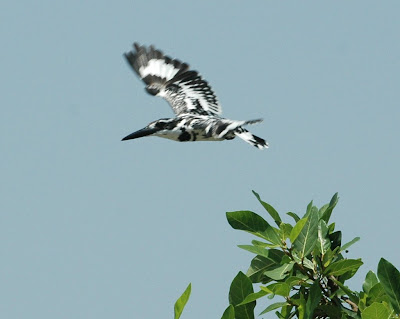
point(297, 229)
point(301, 306)
point(308, 263)
point(255, 250)
point(280, 289)
point(307, 238)
point(345, 246)
point(342, 266)
point(362, 302)
point(352, 295)
point(286, 312)
point(181, 302)
point(285, 231)
point(294, 216)
point(328, 212)
point(375, 311)
point(330, 256)
point(254, 296)
point(389, 277)
point(377, 294)
point(263, 244)
point(309, 209)
point(330, 311)
point(259, 243)
point(336, 239)
point(347, 275)
point(370, 281)
point(259, 264)
point(313, 299)
point(274, 306)
point(254, 224)
point(274, 214)
point(322, 210)
point(331, 228)
point(229, 313)
point(296, 281)
point(279, 273)
point(323, 240)
point(240, 288)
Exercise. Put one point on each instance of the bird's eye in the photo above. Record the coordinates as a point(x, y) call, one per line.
point(160, 125)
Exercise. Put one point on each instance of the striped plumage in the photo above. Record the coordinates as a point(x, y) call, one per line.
point(193, 101)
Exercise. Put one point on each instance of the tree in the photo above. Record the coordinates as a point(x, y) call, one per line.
point(302, 263)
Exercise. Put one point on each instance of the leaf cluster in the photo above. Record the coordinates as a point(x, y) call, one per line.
point(302, 262)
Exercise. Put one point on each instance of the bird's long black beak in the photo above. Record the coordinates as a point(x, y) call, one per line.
point(141, 133)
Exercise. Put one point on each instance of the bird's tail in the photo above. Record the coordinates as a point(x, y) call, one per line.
point(246, 136)
point(252, 121)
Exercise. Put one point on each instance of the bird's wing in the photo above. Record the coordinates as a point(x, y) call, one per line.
point(184, 89)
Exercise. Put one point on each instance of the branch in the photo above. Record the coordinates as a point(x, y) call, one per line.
point(354, 306)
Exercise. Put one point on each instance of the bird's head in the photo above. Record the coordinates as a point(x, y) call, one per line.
point(150, 129)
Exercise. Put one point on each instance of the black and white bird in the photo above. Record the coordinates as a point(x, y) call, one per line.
point(193, 101)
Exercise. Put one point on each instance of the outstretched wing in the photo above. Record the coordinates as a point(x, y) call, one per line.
point(184, 89)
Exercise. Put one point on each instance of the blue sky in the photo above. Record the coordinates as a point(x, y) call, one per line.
point(92, 227)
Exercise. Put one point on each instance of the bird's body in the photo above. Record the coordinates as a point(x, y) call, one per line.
point(191, 98)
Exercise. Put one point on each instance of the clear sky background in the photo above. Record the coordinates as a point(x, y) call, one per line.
point(92, 227)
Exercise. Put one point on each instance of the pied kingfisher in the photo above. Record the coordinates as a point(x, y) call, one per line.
point(191, 98)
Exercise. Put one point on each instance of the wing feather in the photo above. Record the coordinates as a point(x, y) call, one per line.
point(185, 90)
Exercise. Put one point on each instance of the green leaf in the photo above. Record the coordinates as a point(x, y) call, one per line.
point(301, 306)
point(255, 250)
point(370, 281)
point(345, 246)
point(286, 230)
point(259, 243)
point(307, 239)
point(308, 263)
point(323, 241)
point(377, 294)
point(274, 214)
point(313, 299)
point(309, 208)
point(375, 311)
point(295, 216)
point(181, 302)
point(322, 210)
point(330, 311)
point(362, 303)
point(254, 224)
point(259, 264)
point(262, 244)
point(342, 266)
point(336, 239)
point(296, 281)
point(229, 313)
point(331, 228)
point(297, 229)
point(352, 295)
point(254, 296)
point(389, 277)
point(328, 212)
point(347, 275)
point(280, 289)
point(240, 288)
point(285, 312)
point(330, 256)
point(274, 306)
point(280, 272)
point(347, 313)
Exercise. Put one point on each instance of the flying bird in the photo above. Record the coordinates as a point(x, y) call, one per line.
point(191, 98)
